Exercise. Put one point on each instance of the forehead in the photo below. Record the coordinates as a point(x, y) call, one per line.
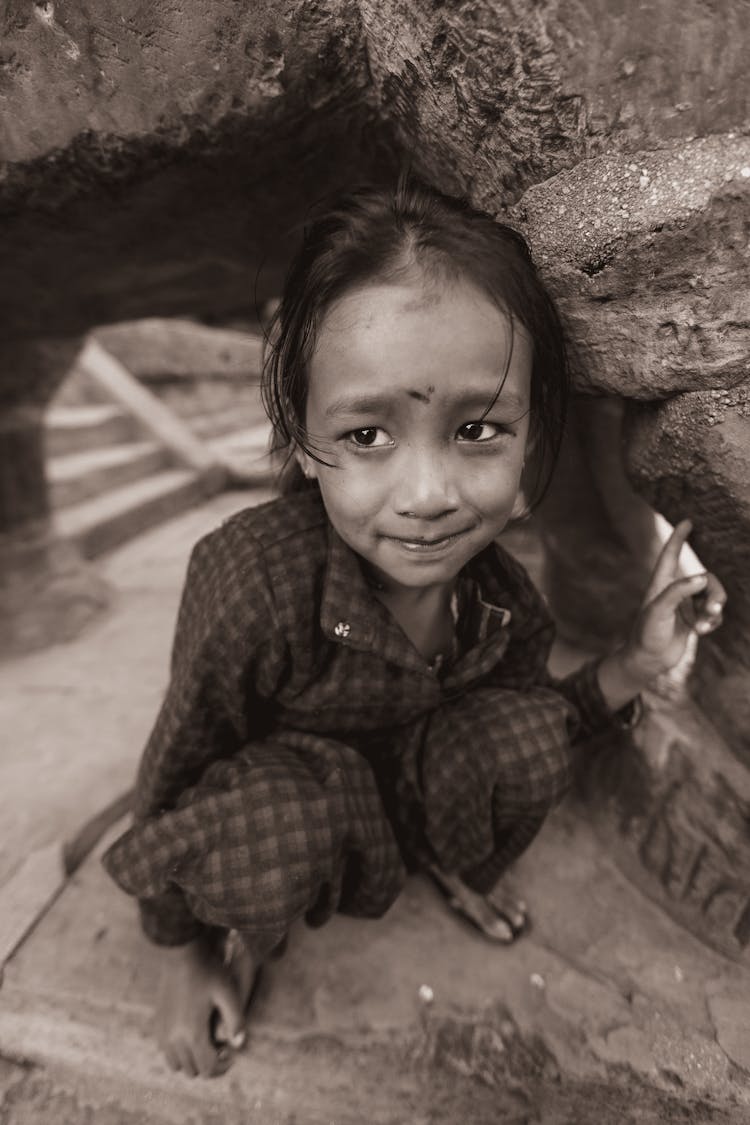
point(416, 334)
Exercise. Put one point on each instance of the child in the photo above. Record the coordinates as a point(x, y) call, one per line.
point(359, 681)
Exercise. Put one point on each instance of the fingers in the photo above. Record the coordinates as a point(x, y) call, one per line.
point(668, 561)
point(708, 609)
point(666, 604)
point(698, 600)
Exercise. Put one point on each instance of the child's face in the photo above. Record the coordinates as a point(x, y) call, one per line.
point(398, 385)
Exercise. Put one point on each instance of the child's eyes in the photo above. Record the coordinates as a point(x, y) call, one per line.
point(372, 437)
point(480, 431)
point(368, 436)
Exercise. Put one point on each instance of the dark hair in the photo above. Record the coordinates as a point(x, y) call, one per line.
point(380, 235)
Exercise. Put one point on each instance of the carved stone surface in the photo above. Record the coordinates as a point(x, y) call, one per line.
point(496, 95)
point(648, 256)
point(155, 161)
point(674, 808)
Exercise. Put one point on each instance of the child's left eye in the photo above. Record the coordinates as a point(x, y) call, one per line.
point(480, 431)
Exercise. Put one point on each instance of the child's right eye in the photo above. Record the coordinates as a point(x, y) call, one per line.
point(368, 436)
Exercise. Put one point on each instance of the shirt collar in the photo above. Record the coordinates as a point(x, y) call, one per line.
point(353, 616)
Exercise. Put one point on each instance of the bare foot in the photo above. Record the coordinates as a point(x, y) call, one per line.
point(200, 1006)
point(243, 971)
point(500, 915)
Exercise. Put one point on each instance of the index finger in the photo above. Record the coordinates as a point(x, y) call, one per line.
point(667, 564)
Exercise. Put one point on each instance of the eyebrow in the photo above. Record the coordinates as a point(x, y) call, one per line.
point(467, 398)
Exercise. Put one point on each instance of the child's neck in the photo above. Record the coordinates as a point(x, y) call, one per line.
point(424, 614)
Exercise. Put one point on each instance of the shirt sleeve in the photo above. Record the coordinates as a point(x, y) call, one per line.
point(226, 654)
point(581, 688)
point(525, 665)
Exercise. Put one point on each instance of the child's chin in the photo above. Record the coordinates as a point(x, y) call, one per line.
point(424, 573)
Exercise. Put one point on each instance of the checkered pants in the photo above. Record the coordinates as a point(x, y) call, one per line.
point(300, 825)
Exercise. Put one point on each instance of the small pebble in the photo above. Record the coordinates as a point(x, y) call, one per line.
point(426, 995)
point(745, 172)
point(537, 980)
point(679, 976)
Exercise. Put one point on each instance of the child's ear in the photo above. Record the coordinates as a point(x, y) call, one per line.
point(520, 507)
point(305, 463)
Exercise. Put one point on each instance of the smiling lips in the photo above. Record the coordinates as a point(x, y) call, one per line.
point(425, 546)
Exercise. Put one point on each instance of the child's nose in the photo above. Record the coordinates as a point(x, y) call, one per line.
point(424, 488)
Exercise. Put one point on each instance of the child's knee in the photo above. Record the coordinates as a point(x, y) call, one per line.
point(547, 778)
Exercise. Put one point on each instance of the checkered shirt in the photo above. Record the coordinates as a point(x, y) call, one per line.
point(305, 753)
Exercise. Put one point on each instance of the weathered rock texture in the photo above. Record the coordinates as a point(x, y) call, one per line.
point(155, 159)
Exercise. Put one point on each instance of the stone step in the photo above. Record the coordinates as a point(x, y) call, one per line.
point(75, 477)
point(117, 515)
point(71, 429)
point(217, 423)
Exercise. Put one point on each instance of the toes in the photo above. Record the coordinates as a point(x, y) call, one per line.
point(500, 917)
point(185, 1060)
point(513, 910)
point(492, 925)
point(499, 929)
point(515, 916)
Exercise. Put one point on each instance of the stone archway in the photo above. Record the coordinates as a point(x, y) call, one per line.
point(154, 159)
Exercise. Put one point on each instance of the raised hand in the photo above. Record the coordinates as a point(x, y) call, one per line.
point(674, 613)
point(673, 607)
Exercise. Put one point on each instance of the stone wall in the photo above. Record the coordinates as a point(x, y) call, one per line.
point(156, 158)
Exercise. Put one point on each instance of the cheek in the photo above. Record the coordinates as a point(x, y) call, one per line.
point(352, 495)
point(493, 487)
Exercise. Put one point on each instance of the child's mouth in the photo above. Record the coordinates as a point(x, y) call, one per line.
point(427, 546)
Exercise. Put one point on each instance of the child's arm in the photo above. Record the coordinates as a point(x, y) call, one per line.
point(661, 633)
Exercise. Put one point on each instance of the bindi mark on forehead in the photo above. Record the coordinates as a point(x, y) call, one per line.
point(422, 396)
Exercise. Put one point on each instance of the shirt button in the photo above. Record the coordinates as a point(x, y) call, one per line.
point(342, 629)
